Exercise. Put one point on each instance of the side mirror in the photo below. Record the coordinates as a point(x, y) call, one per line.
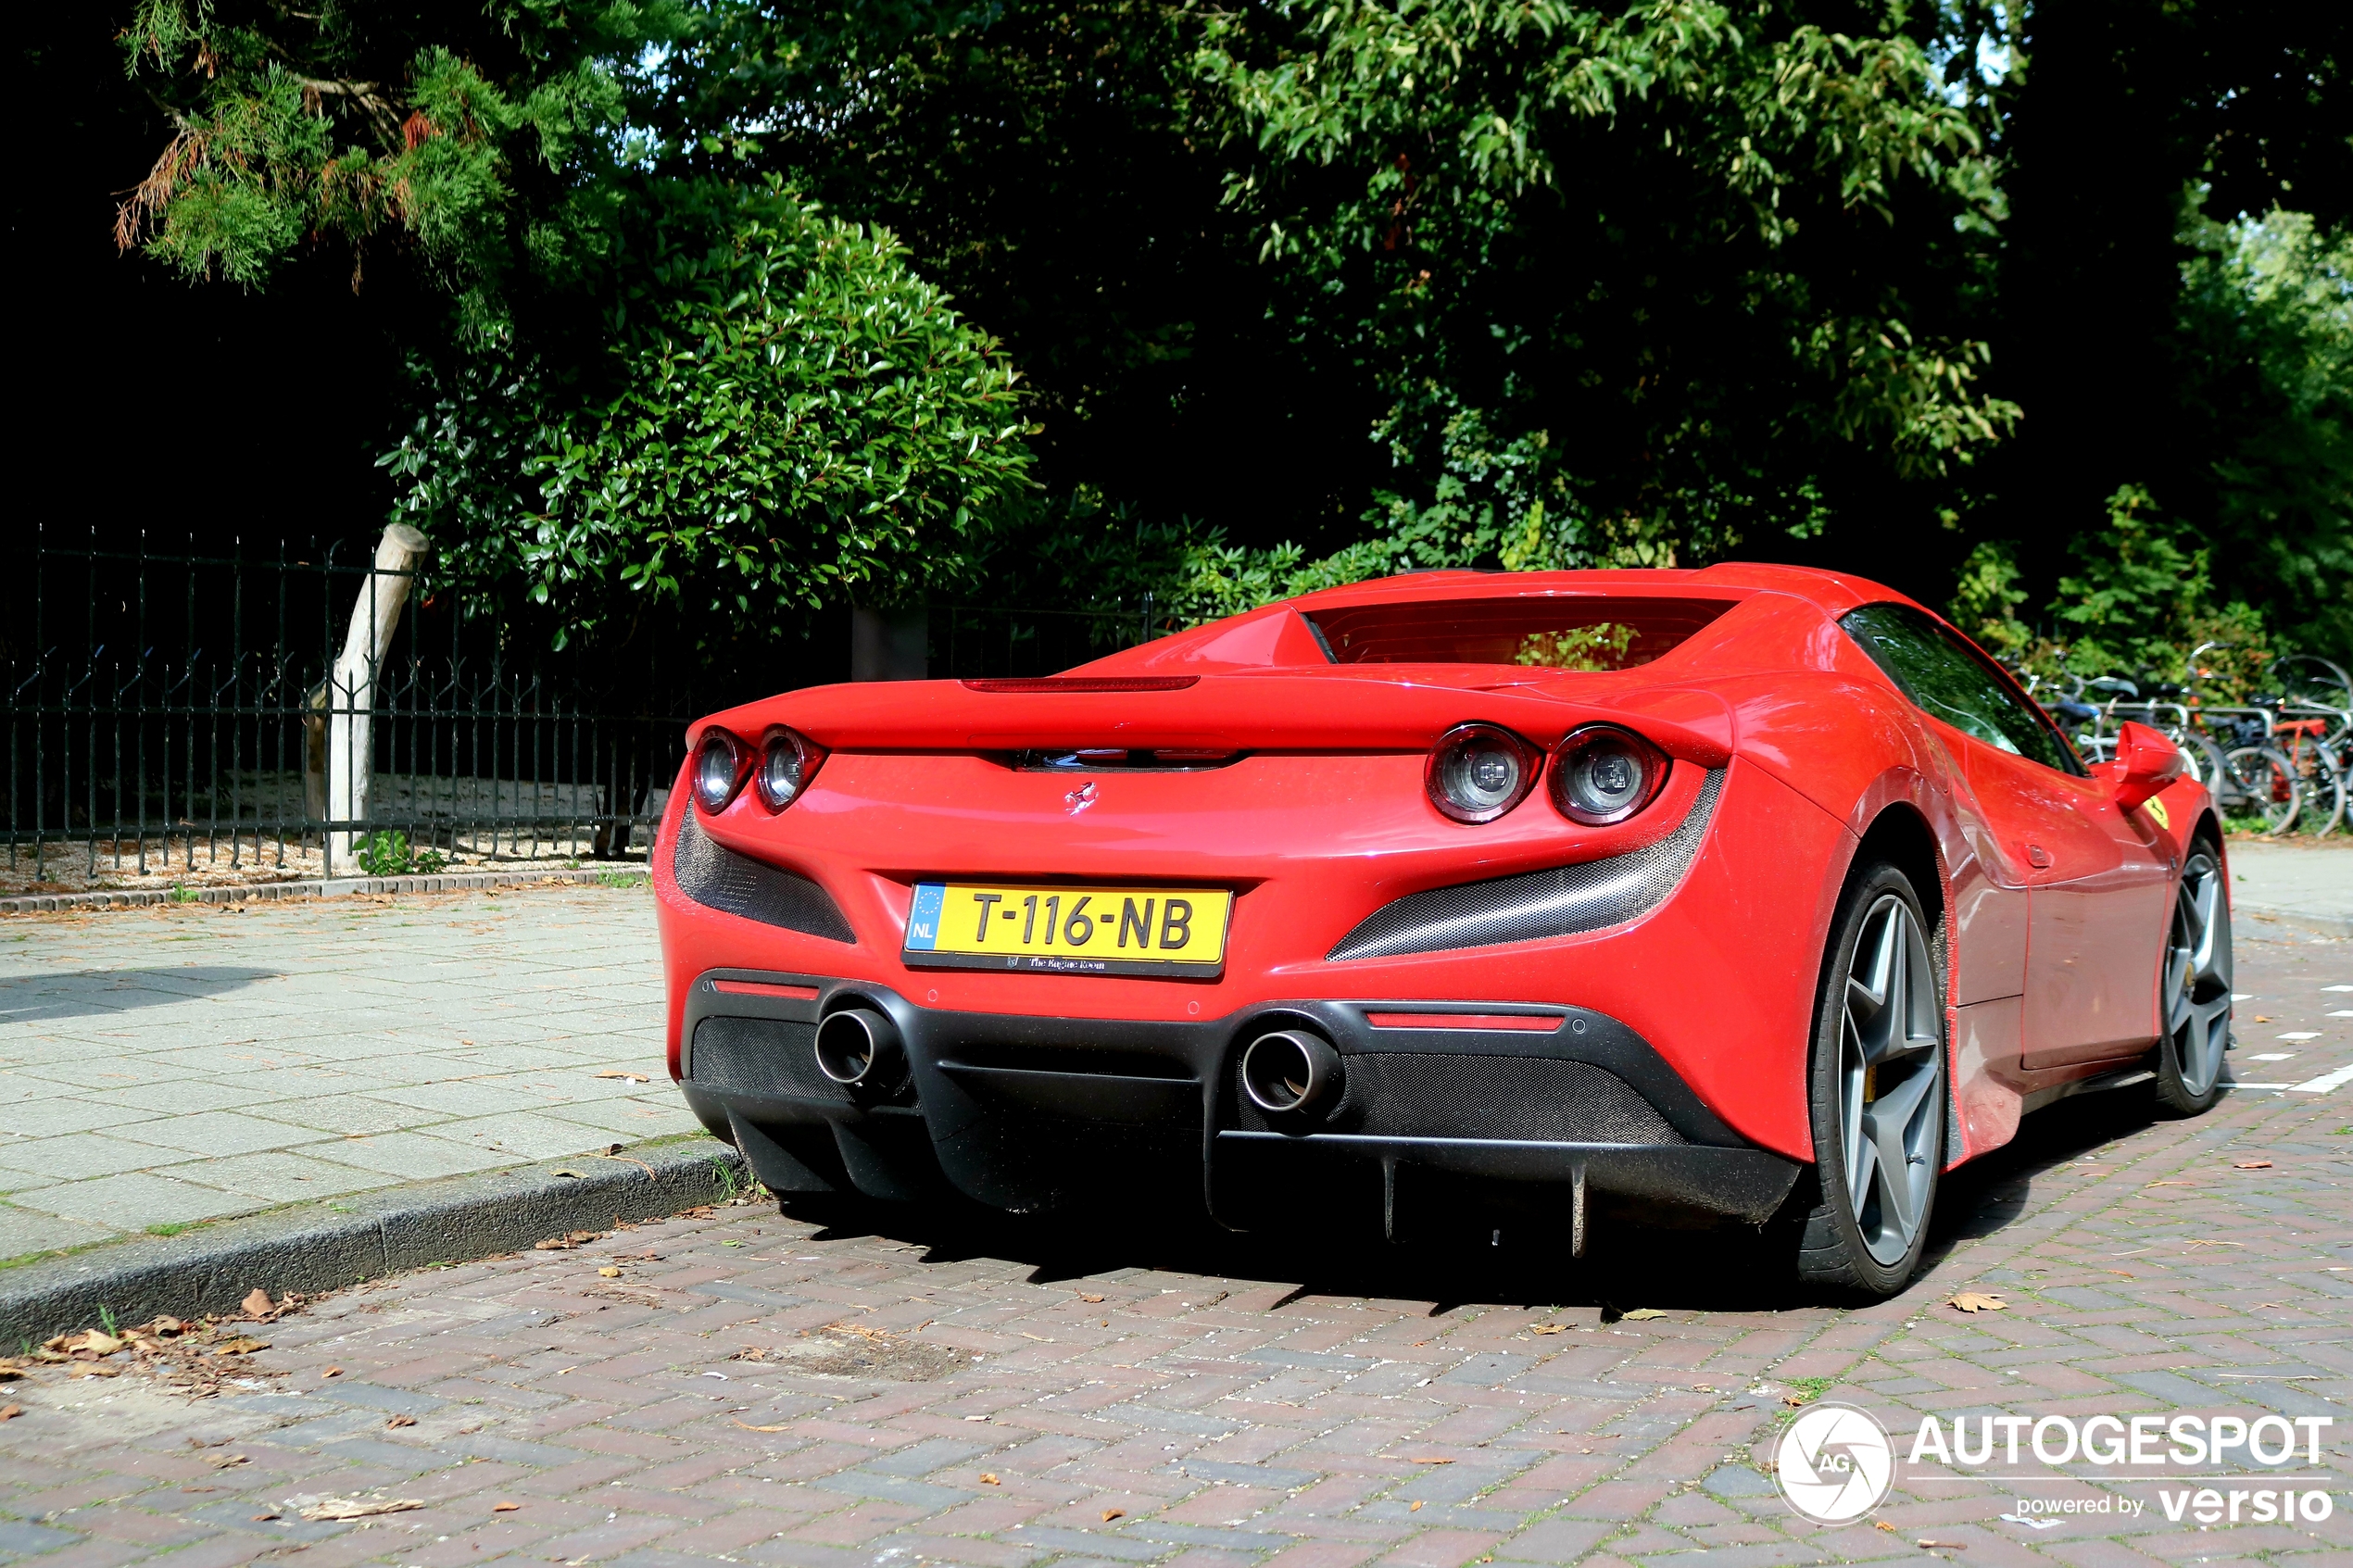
point(2145, 763)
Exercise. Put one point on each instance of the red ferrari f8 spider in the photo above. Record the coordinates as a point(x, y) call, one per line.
point(1457, 900)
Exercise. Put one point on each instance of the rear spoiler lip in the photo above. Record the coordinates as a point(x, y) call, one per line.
point(1280, 711)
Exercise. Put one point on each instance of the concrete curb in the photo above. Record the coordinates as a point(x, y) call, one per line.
point(368, 1236)
point(316, 887)
point(2302, 920)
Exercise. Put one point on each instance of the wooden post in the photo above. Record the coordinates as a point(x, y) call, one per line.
point(351, 688)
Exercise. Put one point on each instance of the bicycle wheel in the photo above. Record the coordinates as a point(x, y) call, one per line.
point(2206, 761)
point(2260, 785)
point(2318, 778)
point(2338, 782)
point(2312, 680)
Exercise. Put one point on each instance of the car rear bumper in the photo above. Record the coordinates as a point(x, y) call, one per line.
point(1446, 1109)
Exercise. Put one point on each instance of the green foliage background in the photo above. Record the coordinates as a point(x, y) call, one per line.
point(712, 310)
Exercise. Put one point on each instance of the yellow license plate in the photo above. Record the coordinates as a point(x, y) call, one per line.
point(1169, 931)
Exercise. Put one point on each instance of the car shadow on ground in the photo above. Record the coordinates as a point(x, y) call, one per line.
point(38, 998)
point(1629, 1264)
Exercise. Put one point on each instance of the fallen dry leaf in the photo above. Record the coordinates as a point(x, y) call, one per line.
point(1942, 1546)
point(333, 1372)
point(223, 1461)
point(256, 1304)
point(609, 1272)
point(1432, 1459)
point(1111, 1513)
point(1091, 1301)
point(1883, 1525)
point(10, 1412)
point(2274, 1306)
point(988, 1480)
point(2118, 1272)
point(2262, 1018)
point(576, 1175)
point(2168, 1184)
point(1413, 1507)
point(2210, 1241)
point(564, 1243)
point(2250, 1164)
point(1973, 1301)
point(750, 1427)
point(400, 1421)
point(359, 1507)
point(240, 1347)
point(264, 1518)
point(633, 1077)
point(1641, 1313)
point(1546, 1328)
point(505, 1507)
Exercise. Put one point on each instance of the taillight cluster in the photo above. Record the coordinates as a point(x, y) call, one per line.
point(778, 772)
point(1600, 773)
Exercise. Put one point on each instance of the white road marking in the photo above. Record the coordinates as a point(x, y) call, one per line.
point(2271, 1056)
point(2326, 1082)
point(2300, 1035)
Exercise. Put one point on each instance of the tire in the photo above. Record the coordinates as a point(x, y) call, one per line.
point(1877, 1083)
point(2194, 988)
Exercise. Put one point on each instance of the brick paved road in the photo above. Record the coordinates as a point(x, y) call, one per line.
point(1232, 1402)
point(166, 1065)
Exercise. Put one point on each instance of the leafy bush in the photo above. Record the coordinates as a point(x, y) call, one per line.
point(784, 416)
point(388, 854)
point(2141, 600)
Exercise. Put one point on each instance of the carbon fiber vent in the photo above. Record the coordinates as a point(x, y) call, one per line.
point(1424, 1094)
point(1560, 902)
point(759, 1056)
point(710, 874)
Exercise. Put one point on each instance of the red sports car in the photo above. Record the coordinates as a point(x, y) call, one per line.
point(1454, 900)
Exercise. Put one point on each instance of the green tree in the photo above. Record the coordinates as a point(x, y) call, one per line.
point(643, 387)
point(2264, 351)
point(1691, 268)
point(782, 416)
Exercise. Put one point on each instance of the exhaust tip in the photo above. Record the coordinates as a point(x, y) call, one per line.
point(1290, 1071)
point(858, 1049)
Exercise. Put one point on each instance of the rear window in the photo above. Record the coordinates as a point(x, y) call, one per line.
point(1596, 634)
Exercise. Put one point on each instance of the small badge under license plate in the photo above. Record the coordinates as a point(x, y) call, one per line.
point(1162, 930)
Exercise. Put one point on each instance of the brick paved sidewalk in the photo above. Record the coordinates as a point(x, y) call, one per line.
point(1130, 1391)
point(166, 1065)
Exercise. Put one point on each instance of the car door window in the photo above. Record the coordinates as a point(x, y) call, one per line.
point(1950, 681)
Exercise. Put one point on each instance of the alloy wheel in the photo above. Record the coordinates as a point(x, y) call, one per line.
point(1891, 1077)
point(2198, 976)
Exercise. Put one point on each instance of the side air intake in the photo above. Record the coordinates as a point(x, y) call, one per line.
point(712, 875)
point(1560, 902)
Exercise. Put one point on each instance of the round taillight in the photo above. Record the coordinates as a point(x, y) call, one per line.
point(1480, 772)
point(1603, 775)
point(719, 771)
point(786, 764)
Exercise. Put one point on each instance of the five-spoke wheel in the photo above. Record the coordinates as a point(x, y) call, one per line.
point(2196, 994)
point(1879, 1097)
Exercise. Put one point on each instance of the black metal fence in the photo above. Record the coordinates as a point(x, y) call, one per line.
point(182, 716)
